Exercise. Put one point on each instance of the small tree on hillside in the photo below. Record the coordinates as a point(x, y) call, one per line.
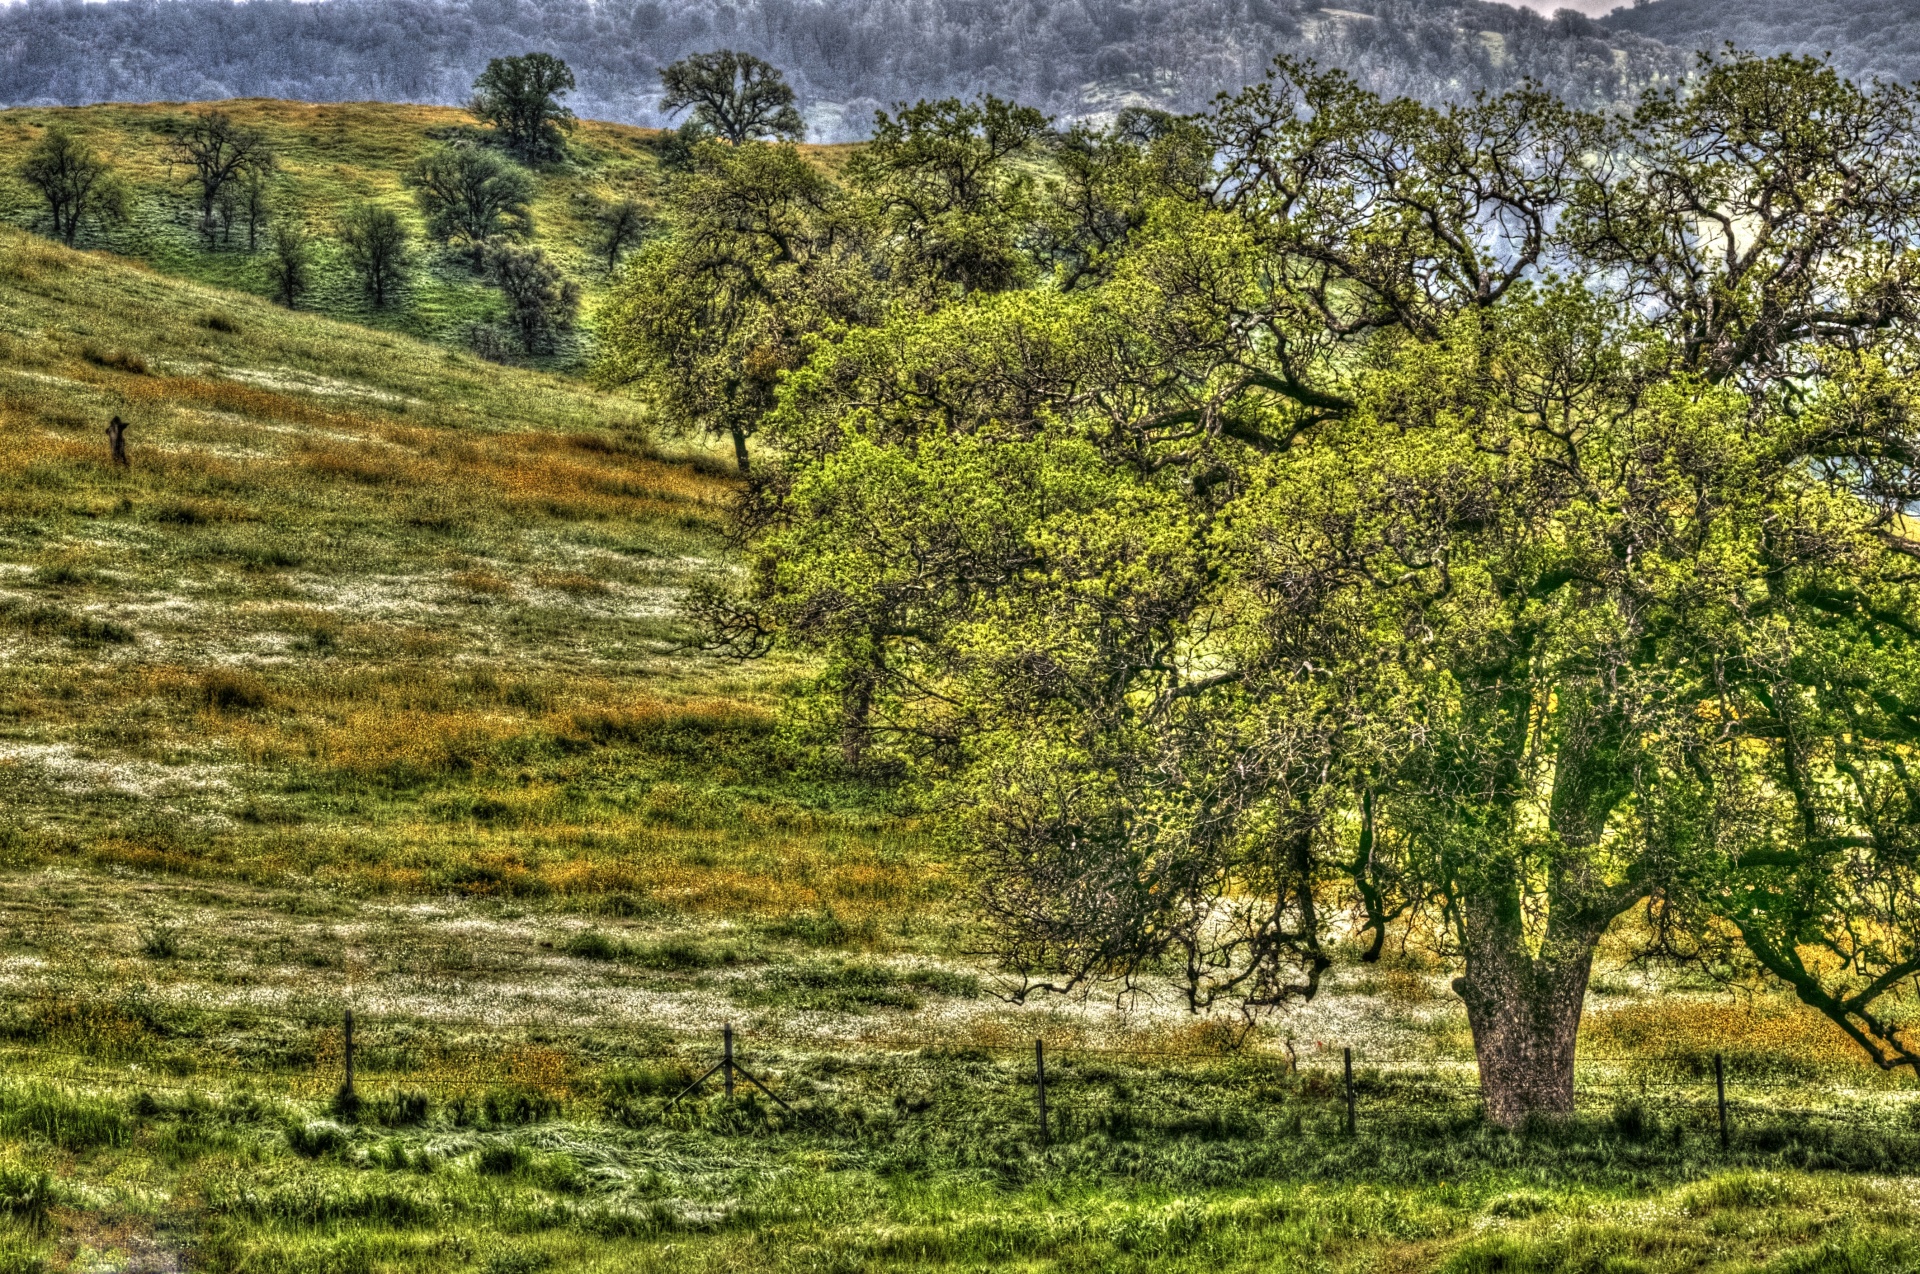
point(520, 96)
point(765, 255)
point(738, 96)
point(470, 196)
point(76, 185)
point(290, 269)
point(542, 302)
point(376, 248)
point(251, 205)
point(619, 225)
point(221, 154)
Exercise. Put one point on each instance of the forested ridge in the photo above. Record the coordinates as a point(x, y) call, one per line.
point(1070, 57)
point(1866, 38)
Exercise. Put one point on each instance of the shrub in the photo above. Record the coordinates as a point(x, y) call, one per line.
point(159, 942)
point(504, 1158)
point(680, 954)
point(396, 1110)
point(116, 360)
point(592, 944)
point(502, 1108)
point(317, 1137)
point(56, 621)
point(662, 1080)
point(489, 341)
point(1632, 1121)
point(231, 689)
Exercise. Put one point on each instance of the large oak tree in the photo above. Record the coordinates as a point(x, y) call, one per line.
point(1495, 516)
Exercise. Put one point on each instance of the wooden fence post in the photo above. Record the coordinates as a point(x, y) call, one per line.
point(1720, 1092)
point(346, 1102)
point(1347, 1057)
point(727, 1069)
point(1040, 1076)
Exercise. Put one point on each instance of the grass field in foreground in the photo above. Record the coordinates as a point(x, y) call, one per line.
point(361, 688)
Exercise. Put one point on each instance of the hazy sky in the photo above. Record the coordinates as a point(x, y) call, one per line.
point(1592, 8)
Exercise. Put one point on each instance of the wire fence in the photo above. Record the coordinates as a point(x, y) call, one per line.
point(1058, 1080)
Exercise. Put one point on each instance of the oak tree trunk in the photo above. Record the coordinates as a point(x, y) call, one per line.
point(1524, 1005)
point(1525, 1014)
point(740, 448)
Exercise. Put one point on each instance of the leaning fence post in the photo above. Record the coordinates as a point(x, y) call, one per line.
point(1040, 1077)
point(1347, 1057)
point(726, 1057)
point(1720, 1091)
point(346, 1102)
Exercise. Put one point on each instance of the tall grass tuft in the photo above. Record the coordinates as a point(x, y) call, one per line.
point(159, 942)
point(28, 1196)
point(69, 1120)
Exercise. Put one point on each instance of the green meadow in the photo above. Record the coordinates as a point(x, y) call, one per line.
point(364, 687)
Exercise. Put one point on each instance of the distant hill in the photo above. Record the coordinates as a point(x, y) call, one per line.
point(332, 156)
point(1072, 57)
point(1867, 38)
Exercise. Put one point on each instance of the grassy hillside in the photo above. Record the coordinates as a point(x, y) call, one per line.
point(360, 688)
point(331, 157)
point(362, 609)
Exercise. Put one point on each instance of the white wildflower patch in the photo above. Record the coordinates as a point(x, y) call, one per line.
point(375, 596)
point(67, 771)
point(289, 378)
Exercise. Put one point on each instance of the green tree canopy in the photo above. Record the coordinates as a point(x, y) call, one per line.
point(469, 195)
point(735, 96)
point(541, 301)
point(520, 96)
point(75, 184)
point(374, 243)
point(763, 256)
point(1490, 520)
point(947, 184)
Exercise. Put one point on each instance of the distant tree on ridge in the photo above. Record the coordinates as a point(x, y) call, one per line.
point(221, 154)
point(738, 96)
point(290, 269)
point(470, 195)
point(520, 96)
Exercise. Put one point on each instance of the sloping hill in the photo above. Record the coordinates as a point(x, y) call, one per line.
point(361, 608)
point(1867, 38)
point(330, 158)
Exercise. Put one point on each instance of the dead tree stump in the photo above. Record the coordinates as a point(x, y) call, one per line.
point(117, 441)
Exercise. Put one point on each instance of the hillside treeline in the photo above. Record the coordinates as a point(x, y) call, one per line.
point(1866, 38)
point(1070, 57)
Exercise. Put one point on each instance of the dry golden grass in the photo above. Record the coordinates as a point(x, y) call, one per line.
point(1768, 1028)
